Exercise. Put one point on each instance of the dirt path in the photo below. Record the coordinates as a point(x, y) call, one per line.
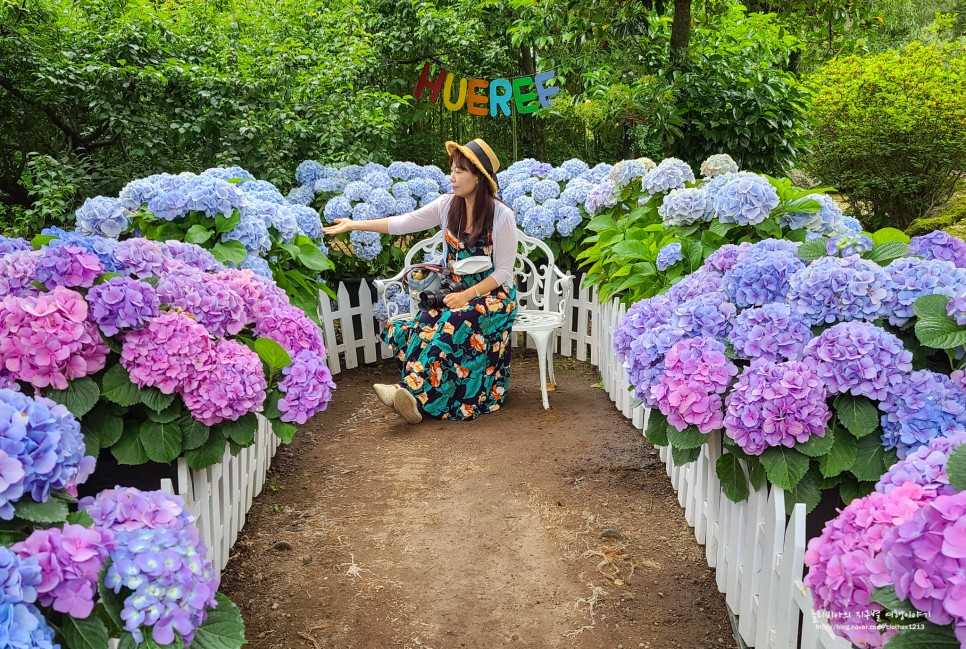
point(527, 528)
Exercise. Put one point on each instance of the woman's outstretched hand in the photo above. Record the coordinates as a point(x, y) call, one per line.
point(338, 227)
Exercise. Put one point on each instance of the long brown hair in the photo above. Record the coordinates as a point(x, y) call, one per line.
point(484, 204)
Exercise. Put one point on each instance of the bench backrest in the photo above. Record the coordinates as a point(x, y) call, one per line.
point(534, 283)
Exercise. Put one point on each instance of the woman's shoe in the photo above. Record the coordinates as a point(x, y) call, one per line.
point(385, 391)
point(405, 404)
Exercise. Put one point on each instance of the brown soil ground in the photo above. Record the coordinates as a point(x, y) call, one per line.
point(526, 527)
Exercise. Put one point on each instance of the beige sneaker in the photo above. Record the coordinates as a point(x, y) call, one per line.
point(385, 391)
point(405, 404)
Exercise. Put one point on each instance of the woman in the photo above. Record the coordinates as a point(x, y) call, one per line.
point(455, 361)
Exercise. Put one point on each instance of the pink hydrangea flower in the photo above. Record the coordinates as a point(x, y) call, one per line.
point(48, 340)
point(169, 353)
point(205, 297)
point(290, 328)
point(845, 562)
point(696, 372)
point(235, 385)
point(70, 560)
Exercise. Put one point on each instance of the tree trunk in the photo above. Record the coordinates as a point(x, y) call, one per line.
point(680, 32)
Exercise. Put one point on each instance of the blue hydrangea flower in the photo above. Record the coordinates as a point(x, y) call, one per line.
point(910, 278)
point(377, 180)
point(366, 245)
point(227, 173)
point(426, 199)
point(19, 578)
point(745, 199)
point(357, 191)
point(851, 225)
point(263, 190)
point(920, 407)
point(626, 171)
point(707, 316)
point(337, 208)
point(213, 196)
point(309, 223)
point(847, 245)
point(405, 204)
point(23, 625)
point(774, 332)
point(351, 172)
point(545, 190)
point(169, 205)
point(601, 196)
point(382, 202)
point(554, 205)
point(257, 265)
point(329, 185)
point(671, 173)
point(103, 216)
point(523, 204)
point(512, 192)
point(698, 283)
point(559, 175)
point(403, 170)
point(421, 186)
point(645, 360)
point(600, 172)
point(685, 206)
point(371, 167)
point(831, 289)
point(540, 169)
point(761, 276)
point(568, 218)
point(575, 193)
point(138, 192)
point(308, 172)
point(401, 189)
point(302, 195)
point(364, 212)
point(538, 222)
point(669, 255)
point(252, 232)
point(575, 167)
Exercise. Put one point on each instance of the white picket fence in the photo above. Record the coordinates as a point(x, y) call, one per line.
point(756, 550)
point(220, 495)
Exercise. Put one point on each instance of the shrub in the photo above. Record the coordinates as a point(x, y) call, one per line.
point(889, 130)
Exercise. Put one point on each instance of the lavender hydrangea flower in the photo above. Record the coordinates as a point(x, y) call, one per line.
point(709, 316)
point(745, 199)
point(699, 283)
point(669, 255)
point(774, 332)
point(645, 360)
point(192, 255)
point(776, 404)
point(141, 257)
point(860, 358)
point(940, 245)
point(685, 206)
point(724, 258)
point(640, 317)
point(912, 277)
point(601, 196)
point(8, 245)
point(760, 276)
point(67, 266)
point(17, 273)
point(122, 303)
point(921, 406)
point(925, 466)
point(103, 216)
point(718, 165)
point(671, 173)
point(831, 289)
point(307, 387)
point(101, 247)
point(209, 300)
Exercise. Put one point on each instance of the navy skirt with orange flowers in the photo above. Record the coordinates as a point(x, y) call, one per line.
point(457, 362)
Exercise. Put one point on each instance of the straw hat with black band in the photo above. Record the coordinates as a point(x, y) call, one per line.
point(481, 155)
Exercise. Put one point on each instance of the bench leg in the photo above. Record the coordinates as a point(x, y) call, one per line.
point(540, 342)
point(550, 342)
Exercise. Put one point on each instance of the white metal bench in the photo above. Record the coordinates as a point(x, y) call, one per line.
point(543, 295)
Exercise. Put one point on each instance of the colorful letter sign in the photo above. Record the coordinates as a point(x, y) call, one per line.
point(482, 97)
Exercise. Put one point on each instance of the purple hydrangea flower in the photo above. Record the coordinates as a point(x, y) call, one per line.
point(940, 245)
point(601, 196)
point(774, 332)
point(290, 328)
point(860, 358)
point(18, 272)
point(776, 404)
point(696, 373)
point(709, 316)
point(926, 466)
point(67, 266)
point(911, 278)
point(669, 255)
point(101, 247)
point(724, 258)
point(921, 406)
point(701, 282)
point(8, 245)
point(760, 276)
point(645, 360)
point(211, 302)
point(307, 387)
point(640, 317)
point(831, 289)
point(141, 257)
point(194, 256)
point(122, 303)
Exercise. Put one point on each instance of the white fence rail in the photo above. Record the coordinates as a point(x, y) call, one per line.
point(756, 550)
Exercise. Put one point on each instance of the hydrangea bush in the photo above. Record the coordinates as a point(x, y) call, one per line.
point(889, 570)
point(124, 564)
point(653, 224)
point(160, 349)
point(830, 366)
point(243, 222)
